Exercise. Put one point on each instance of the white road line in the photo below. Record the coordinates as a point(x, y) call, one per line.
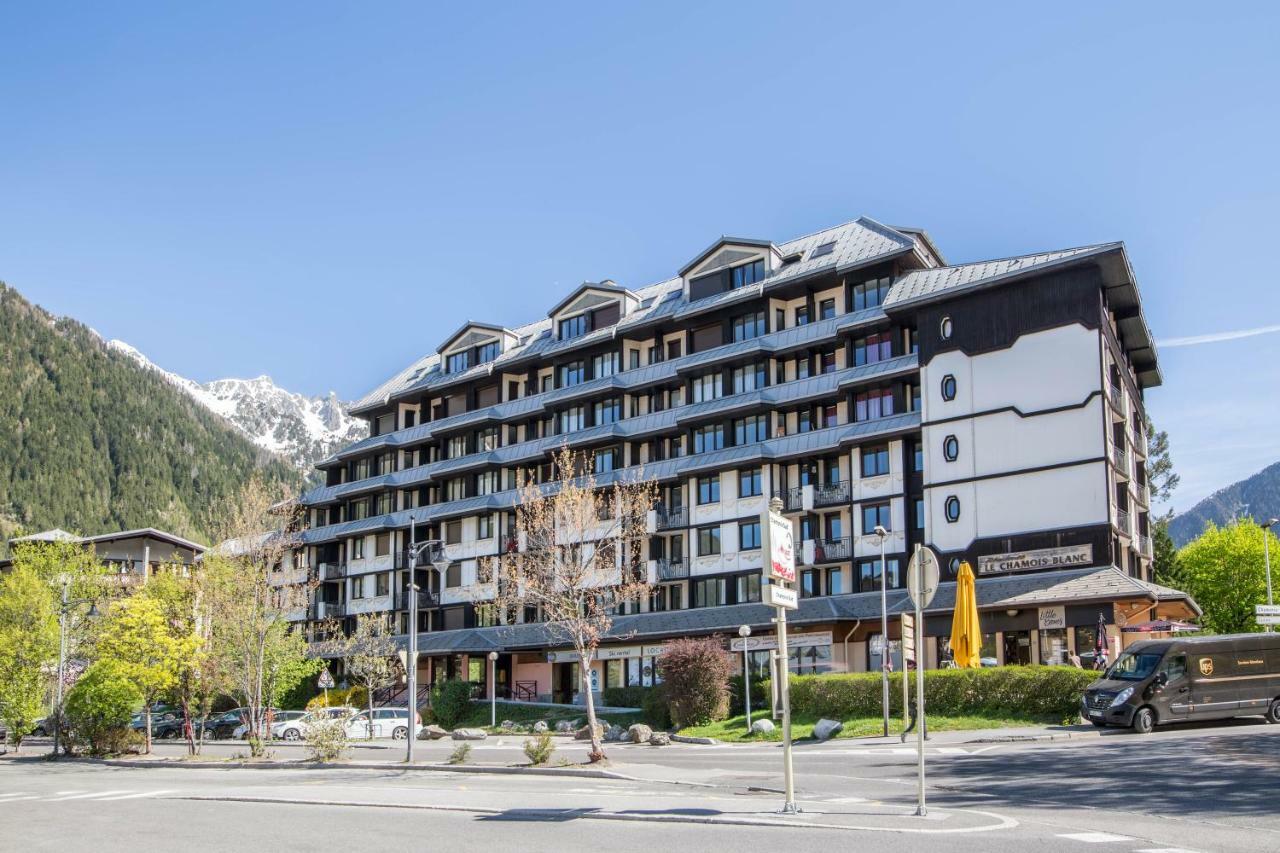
point(86, 795)
point(1166, 850)
point(1096, 837)
point(137, 796)
point(62, 793)
point(17, 799)
point(12, 794)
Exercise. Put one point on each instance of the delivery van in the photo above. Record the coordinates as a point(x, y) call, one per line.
point(1155, 682)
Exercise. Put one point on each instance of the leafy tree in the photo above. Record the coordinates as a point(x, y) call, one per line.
point(1165, 561)
point(144, 648)
point(99, 707)
point(1160, 474)
point(1223, 570)
point(695, 680)
point(370, 657)
point(184, 603)
point(28, 648)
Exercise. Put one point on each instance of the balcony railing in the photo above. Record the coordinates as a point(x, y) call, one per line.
point(672, 518)
point(426, 600)
point(1121, 458)
point(1117, 398)
point(1122, 520)
point(672, 570)
point(332, 571)
point(326, 610)
point(792, 499)
point(831, 494)
point(1144, 545)
point(832, 550)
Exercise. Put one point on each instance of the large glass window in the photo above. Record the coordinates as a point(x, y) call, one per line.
point(748, 535)
point(458, 362)
point(874, 515)
point(835, 582)
point(749, 378)
point(750, 430)
point(708, 438)
point(869, 574)
point(606, 460)
point(748, 326)
point(572, 420)
point(574, 373)
point(870, 405)
point(872, 349)
point(1053, 646)
point(747, 274)
point(608, 411)
point(708, 592)
point(708, 541)
point(603, 365)
point(573, 327)
point(749, 483)
point(869, 294)
point(709, 386)
point(875, 461)
point(747, 588)
point(709, 490)
point(488, 352)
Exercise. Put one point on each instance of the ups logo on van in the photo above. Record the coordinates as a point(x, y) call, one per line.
point(1206, 666)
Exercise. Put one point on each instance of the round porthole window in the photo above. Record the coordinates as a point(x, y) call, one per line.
point(952, 508)
point(951, 448)
point(944, 328)
point(948, 387)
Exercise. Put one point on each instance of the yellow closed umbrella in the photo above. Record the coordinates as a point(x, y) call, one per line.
point(966, 634)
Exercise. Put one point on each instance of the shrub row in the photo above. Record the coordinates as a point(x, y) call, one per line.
point(1033, 691)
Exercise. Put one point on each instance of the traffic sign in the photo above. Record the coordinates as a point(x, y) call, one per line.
point(1267, 620)
point(1267, 609)
point(923, 589)
point(326, 680)
point(779, 596)
point(908, 636)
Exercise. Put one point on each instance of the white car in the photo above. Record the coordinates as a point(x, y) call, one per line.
point(279, 718)
point(390, 722)
point(297, 729)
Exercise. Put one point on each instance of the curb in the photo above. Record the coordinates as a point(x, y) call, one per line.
point(1045, 738)
point(705, 741)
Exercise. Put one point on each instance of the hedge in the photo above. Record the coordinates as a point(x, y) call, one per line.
point(625, 697)
point(1031, 691)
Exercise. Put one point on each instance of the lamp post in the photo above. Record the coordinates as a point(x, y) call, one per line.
point(744, 632)
point(65, 607)
point(1266, 554)
point(435, 549)
point(884, 628)
point(493, 691)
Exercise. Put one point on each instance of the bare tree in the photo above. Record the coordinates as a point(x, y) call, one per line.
point(370, 658)
point(258, 649)
point(580, 556)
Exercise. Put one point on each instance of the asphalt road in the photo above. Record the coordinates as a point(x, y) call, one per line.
point(1191, 789)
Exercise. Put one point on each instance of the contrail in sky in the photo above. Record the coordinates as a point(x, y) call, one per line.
point(1195, 340)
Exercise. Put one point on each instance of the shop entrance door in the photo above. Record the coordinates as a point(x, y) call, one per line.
point(1017, 648)
point(564, 683)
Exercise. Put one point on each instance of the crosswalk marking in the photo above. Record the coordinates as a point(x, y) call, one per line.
point(70, 796)
point(1096, 837)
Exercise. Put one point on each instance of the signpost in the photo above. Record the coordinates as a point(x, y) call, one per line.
point(779, 545)
point(908, 634)
point(324, 683)
point(922, 584)
point(1267, 614)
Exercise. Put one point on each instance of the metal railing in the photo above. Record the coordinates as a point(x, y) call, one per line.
point(326, 610)
point(672, 570)
point(832, 550)
point(1144, 545)
point(831, 494)
point(425, 600)
point(332, 571)
point(1117, 398)
point(1122, 520)
point(672, 518)
point(792, 498)
point(1121, 458)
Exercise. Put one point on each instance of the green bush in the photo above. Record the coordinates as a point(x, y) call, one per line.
point(656, 712)
point(355, 697)
point(1032, 691)
point(98, 710)
point(625, 697)
point(327, 739)
point(450, 701)
point(695, 676)
point(539, 748)
point(759, 694)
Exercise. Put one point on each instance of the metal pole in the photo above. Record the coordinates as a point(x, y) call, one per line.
point(746, 683)
point(884, 634)
point(493, 693)
point(62, 657)
point(1266, 551)
point(921, 809)
point(784, 667)
point(411, 674)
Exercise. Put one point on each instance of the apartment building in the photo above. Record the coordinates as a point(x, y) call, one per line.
point(992, 411)
point(131, 556)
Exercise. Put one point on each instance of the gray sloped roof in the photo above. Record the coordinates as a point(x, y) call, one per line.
point(922, 284)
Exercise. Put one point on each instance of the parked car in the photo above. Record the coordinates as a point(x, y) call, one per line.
point(297, 729)
point(220, 726)
point(389, 722)
point(277, 719)
point(1199, 678)
point(176, 728)
point(44, 728)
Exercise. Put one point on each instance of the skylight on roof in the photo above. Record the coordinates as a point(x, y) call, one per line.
point(824, 249)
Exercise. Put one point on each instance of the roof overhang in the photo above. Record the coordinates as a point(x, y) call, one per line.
point(725, 241)
point(607, 287)
point(500, 331)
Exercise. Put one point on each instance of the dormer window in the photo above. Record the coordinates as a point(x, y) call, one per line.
point(573, 327)
point(458, 362)
point(473, 344)
point(746, 274)
point(488, 352)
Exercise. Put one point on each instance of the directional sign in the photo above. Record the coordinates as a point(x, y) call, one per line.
point(780, 596)
point(1267, 609)
point(1267, 620)
point(326, 680)
point(909, 636)
point(922, 589)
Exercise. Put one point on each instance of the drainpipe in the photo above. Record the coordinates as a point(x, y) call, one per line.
point(847, 666)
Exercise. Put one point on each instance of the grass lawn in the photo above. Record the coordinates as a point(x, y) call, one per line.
point(478, 716)
point(734, 729)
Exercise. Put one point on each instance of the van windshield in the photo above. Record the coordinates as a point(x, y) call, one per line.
point(1134, 667)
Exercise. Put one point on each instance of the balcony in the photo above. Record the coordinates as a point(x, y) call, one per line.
point(327, 610)
point(1144, 545)
point(673, 518)
point(833, 494)
point(332, 571)
point(792, 499)
point(1122, 521)
point(832, 550)
point(426, 600)
point(1120, 457)
point(1117, 398)
point(672, 570)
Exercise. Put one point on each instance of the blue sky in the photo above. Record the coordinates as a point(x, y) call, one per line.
point(322, 191)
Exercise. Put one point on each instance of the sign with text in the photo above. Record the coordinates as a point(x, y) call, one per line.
point(326, 680)
point(909, 636)
point(1075, 556)
point(812, 638)
point(1266, 609)
point(1051, 618)
point(779, 545)
point(780, 596)
point(1267, 620)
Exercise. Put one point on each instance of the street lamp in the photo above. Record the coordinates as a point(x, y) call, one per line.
point(66, 606)
point(884, 628)
point(744, 632)
point(493, 691)
point(435, 551)
point(1266, 554)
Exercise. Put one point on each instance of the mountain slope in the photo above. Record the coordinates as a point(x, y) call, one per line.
point(1257, 496)
point(90, 441)
point(302, 429)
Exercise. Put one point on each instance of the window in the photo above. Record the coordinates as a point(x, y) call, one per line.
point(573, 373)
point(917, 457)
point(708, 438)
point(709, 386)
point(747, 274)
point(948, 387)
point(750, 430)
point(919, 514)
point(749, 483)
point(952, 509)
point(383, 583)
point(875, 461)
point(453, 575)
point(573, 327)
point(484, 527)
point(830, 416)
point(749, 378)
point(604, 365)
point(802, 315)
point(571, 420)
point(870, 405)
point(453, 533)
point(945, 328)
point(456, 447)
point(913, 341)
point(606, 460)
point(869, 294)
point(357, 548)
point(835, 582)
point(913, 397)
point(802, 367)
point(382, 544)
point(779, 319)
point(872, 349)
point(488, 352)
point(826, 309)
point(708, 592)
point(708, 541)
point(633, 361)
point(875, 515)
point(458, 362)
point(823, 250)
point(608, 412)
point(748, 536)
point(869, 574)
point(828, 362)
point(748, 326)
point(709, 490)
point(951, 448)
point(810, 583)
point(804, 420)
point(747, 588)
